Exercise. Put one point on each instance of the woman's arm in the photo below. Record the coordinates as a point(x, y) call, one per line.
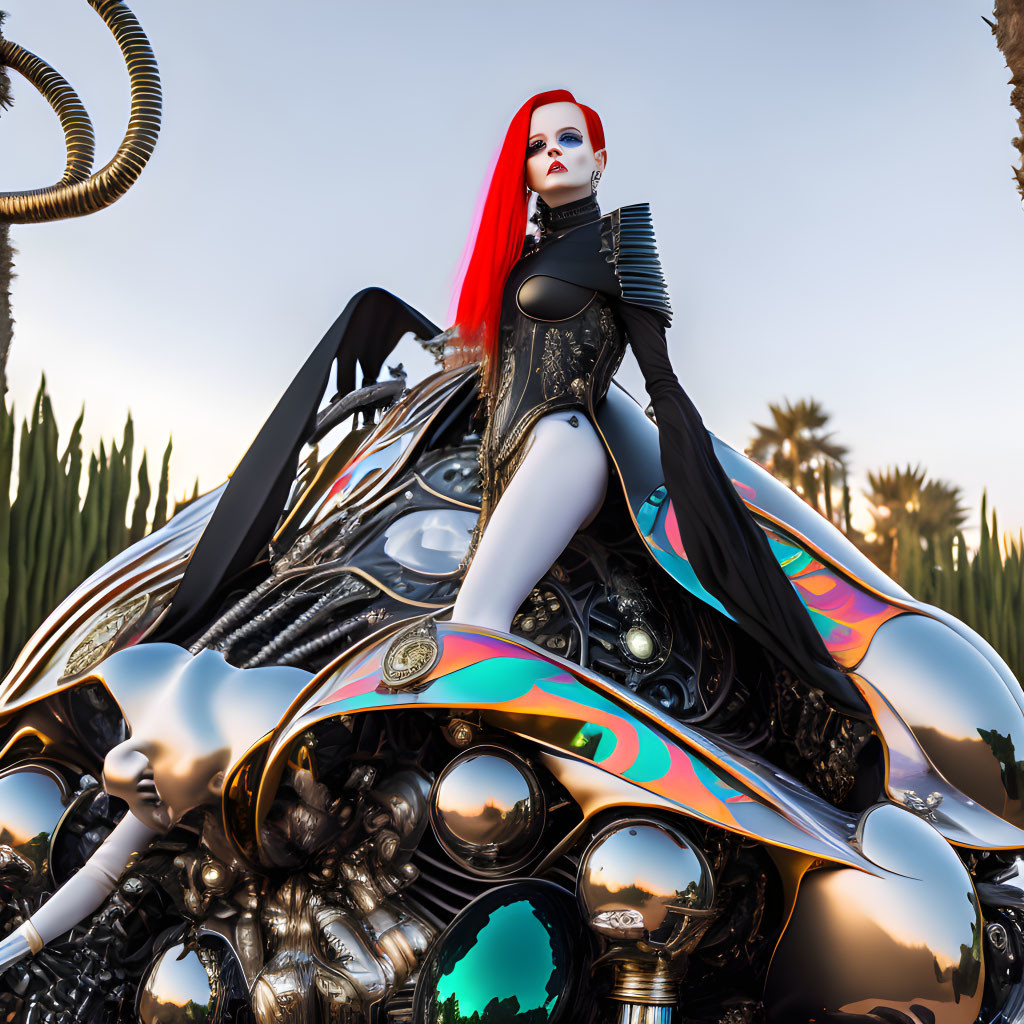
point(728, 551)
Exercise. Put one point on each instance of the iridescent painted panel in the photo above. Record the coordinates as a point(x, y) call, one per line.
point(562, 707)
point(845, 615)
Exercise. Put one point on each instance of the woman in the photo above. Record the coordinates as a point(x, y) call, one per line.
point(550, 321)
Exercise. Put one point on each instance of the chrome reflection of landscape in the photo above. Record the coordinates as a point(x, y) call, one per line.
point(907, 941)
point(487, 810)
point(32, 802)
point(179, 989)
point(641, 881)
point(507, 957)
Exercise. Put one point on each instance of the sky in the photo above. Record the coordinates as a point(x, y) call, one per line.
point(830, 183)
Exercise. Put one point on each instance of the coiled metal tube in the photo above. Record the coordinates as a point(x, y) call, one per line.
point(79, 192)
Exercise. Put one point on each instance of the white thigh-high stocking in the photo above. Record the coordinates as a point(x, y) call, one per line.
point(557, 487)
point(82, 894)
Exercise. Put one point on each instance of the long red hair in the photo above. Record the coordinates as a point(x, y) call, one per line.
point(496, 238)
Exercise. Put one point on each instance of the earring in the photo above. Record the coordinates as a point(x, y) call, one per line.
point(594, 179)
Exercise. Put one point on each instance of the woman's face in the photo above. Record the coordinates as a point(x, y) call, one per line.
point(559, 156)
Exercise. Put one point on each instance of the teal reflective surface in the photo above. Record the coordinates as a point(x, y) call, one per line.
point(508, 956)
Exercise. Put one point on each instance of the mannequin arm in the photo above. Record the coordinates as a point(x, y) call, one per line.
point(81, 895)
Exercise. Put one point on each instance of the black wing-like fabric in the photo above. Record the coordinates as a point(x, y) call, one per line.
point(243, 522)
point(727, 549)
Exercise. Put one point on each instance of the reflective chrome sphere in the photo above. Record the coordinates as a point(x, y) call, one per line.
point(487, 810)
point(644, 882)
point(514, 954)
point(181, 990)
point(896, 944)
point(33, 799)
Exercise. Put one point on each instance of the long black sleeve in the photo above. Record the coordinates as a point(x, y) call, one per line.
point(727, 549)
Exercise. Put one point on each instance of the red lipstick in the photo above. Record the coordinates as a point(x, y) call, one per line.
point(555, 168)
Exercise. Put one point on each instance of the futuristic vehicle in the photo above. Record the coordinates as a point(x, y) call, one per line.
point(623, 810)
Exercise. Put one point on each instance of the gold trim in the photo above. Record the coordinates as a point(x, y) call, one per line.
point(445, 497)
point(34, 939)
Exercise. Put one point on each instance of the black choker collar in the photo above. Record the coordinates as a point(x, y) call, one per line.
point(553, 219)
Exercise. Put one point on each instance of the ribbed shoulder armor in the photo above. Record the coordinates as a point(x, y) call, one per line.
point(627, 243)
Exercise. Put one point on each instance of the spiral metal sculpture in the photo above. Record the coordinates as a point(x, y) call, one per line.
point(80, 191)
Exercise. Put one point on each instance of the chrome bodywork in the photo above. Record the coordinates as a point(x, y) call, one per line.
point(33, 800)
point(908, 942)
point(696, 776)
point(516, 943)
point(973, 734)
point(149, 569)
point(927, 666)
point(192, 719)
point(434, 542)
point(182, 986)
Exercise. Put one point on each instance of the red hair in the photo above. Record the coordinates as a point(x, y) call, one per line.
point(496, 239)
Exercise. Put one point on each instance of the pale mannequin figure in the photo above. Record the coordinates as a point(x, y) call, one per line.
point(548, 321)
point(191, 719)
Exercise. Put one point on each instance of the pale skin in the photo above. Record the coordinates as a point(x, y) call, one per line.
point(560, 159)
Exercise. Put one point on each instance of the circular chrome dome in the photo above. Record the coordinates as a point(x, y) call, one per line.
point(33, 799)
point(179, 986)
point(487, 810)
point(643, 882)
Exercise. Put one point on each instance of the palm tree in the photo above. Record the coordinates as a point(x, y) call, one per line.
point(904, 500)
point(942, 512)
point(1009, 32)
point(797, 450)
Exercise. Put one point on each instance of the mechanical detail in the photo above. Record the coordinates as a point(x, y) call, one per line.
point(627, 241)
point(79, 191)
point(925, 806)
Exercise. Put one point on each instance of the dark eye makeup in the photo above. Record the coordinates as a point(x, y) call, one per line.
point(570, 138)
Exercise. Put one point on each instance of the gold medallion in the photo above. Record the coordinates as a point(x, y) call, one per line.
point(412, 654)
point(98, 641)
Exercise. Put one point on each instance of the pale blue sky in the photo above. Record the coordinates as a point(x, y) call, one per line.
point(830, 184)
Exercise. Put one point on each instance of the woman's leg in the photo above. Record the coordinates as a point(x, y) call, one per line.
point(557, 487)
